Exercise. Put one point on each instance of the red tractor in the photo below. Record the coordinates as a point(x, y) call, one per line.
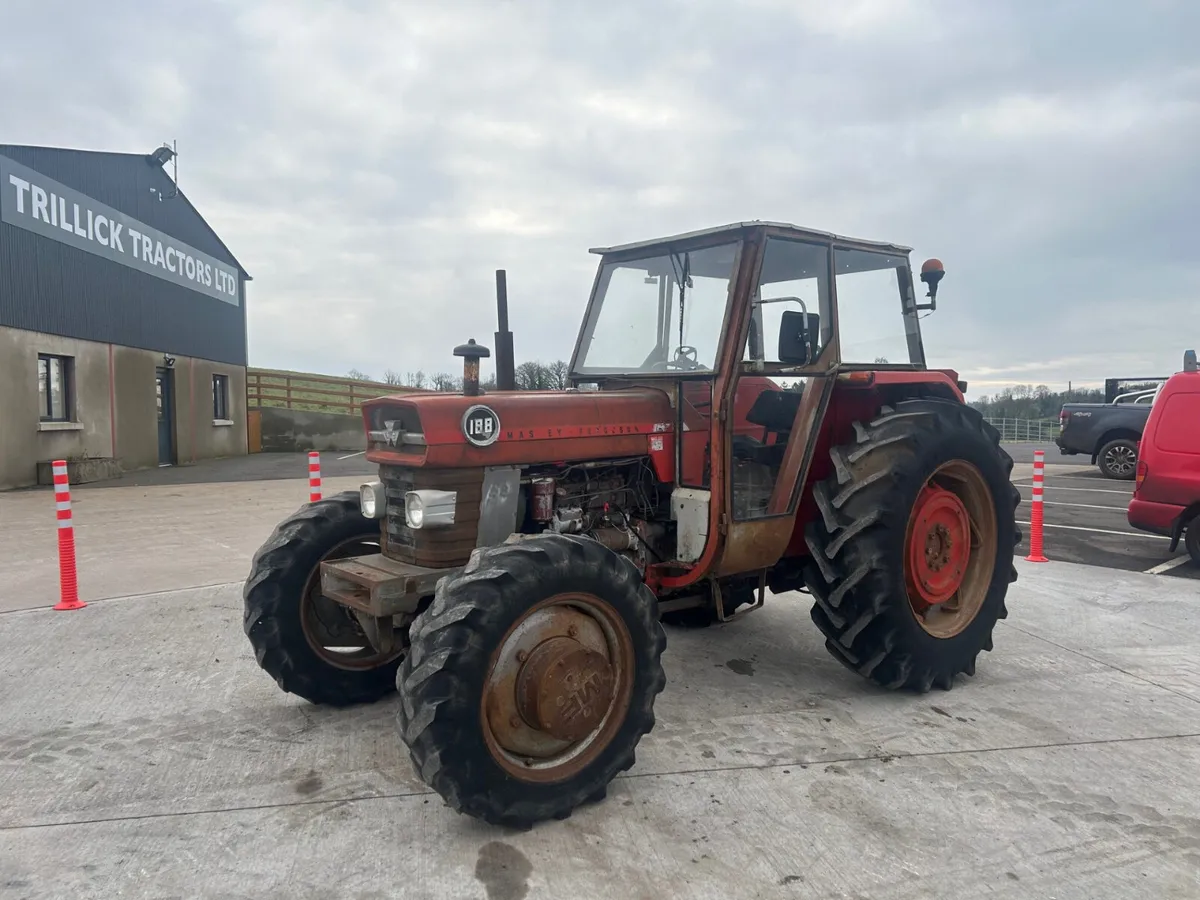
point(750, 413)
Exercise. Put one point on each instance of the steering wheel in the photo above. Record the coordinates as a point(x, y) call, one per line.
point(686, 360)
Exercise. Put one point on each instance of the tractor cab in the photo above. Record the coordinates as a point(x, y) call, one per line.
point(748, 328)
point(756, 297)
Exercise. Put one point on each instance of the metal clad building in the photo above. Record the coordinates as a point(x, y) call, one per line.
point(122, 317)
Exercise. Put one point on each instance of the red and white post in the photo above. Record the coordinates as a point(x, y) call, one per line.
point(314, 476)
point(68, 585)
point(1035, 509)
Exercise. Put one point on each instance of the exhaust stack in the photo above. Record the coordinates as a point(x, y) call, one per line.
point(506, 379)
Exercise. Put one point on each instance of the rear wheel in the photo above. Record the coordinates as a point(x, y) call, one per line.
point(1118, 459)
point(312, 646)
point(912, 555)
point(532, 678)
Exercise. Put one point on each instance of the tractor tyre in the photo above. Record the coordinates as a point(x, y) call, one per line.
point(1117, 459)
point(531, 679)
point(312, 646)
point(912, 554)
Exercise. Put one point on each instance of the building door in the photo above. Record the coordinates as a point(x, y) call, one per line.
point(166, 415)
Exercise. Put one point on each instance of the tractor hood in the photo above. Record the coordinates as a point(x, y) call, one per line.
point(514, 427)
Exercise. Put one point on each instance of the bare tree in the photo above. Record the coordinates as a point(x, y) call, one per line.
point(358, 376)
point(390, 377)
point(558, 371)
point(532, 376)
point(415, 379)
point(445, 382)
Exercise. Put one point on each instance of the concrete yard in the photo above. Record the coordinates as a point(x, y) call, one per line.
point(140, 540)
point(144, 754)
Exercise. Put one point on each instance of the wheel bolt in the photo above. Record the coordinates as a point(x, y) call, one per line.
point(522, 656)
point(514, 722)
point(573, 631)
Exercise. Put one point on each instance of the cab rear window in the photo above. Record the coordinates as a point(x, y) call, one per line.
point(1179, 426)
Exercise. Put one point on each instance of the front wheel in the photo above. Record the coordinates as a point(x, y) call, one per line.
point(1118, 459)
point(312, 646)
point(531, 679)
point(913, 552)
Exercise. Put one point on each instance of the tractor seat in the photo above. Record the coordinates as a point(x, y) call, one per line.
point(775, 410)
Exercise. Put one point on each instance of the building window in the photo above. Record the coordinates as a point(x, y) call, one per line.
point(220, 398)
point(55, 374)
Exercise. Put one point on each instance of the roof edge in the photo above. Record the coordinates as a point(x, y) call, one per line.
point(735, 227)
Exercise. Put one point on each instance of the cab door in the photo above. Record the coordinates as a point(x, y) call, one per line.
point(774, 404)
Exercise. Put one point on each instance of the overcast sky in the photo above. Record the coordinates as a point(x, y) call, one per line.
point(372, 163)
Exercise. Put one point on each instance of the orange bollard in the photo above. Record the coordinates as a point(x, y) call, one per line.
point(1035, 510)
point(314, 476)
point(68, 586)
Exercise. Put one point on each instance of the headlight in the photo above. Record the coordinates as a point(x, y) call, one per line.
point(372, 500)
point(414, 510)
point(430, 509)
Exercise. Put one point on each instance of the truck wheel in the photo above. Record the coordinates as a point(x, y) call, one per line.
point(1191, 540)
point(312, 646)
point(532, 678)
point(912, 555)
point(1118, 459)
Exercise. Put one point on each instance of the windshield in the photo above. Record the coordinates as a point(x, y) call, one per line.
point(873, 326)
point(641, 321)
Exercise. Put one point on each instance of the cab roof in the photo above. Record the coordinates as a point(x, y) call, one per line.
point(739, 229)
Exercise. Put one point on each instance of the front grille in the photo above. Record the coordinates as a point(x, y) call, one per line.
point(432, 547)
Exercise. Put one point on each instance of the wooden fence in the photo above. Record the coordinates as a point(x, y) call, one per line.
point(301, 390)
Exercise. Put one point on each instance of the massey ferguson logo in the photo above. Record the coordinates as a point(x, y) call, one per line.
point(390, 434)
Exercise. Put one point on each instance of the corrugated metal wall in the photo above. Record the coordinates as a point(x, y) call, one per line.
point(50, 287)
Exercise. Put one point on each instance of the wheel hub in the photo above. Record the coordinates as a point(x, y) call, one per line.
point(564, 689)
point(556, 687)
point(939, 546)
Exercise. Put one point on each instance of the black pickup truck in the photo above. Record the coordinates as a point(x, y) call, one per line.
point(1106, 432)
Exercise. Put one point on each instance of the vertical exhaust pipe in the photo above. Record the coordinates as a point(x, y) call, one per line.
point(506, 379)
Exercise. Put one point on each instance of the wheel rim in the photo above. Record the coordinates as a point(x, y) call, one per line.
point(1121, 460)
point(558, 688)
point(331, 629)
point(950, 549)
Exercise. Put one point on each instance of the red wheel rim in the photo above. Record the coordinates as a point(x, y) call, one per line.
point(939, 546)
point(950, 549)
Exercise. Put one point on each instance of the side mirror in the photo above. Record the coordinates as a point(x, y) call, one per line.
point(799, 337)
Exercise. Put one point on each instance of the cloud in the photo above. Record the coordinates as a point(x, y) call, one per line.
point(372, 163)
